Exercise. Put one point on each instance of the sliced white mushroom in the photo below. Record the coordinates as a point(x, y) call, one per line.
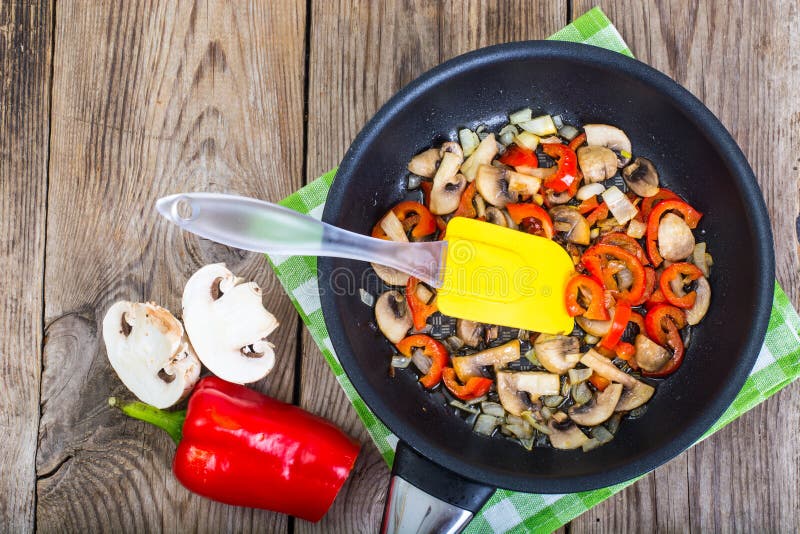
point(595, 327)
point(425, 163)
point(569, 220)
point(511, 386)
point(447, 183)
point(228, 325)
point(469, 332)
point(675, 238)
point(599, 409)
point(558, 354)
point(492, 184)
point(391, 276)
point(565, 434)
point(696, 313)
point(148, 350)
point(641, 177)
point(634, 393)
point(609, 137)
point(468, 366)
point(495, 216)
point(393, 316)
point(597, 163)
point(523, 184)
point(483, 155)
point(650, 356)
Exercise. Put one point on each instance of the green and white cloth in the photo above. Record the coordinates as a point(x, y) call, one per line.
point(777, 366)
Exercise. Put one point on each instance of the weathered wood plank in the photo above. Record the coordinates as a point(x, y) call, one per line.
point(25, 53)
point(742, 64)
point(152, 98)
point(367, 51)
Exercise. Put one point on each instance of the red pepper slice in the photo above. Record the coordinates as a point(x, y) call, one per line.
point(576, 143)
point(600, 383)
point(649, 202)
point(595, 259)
point(430, 348)
point(588, 205)
point(639, 320)
point(475, 387)
point(621, 317)
point(516, 156)
point(590, 288)
point(650, 285)
point(600, 212)
point(567, 174)
point(625, 351)
point(663, 323)
point(426, 187)
point(519, 212)
point(656, 298)
point(414, 216)
point(465, 206)
point(420, 310)
point(684, 273)
point(626, 242)
point(690, 215)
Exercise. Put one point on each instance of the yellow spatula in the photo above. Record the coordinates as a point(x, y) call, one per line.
point(483, 272)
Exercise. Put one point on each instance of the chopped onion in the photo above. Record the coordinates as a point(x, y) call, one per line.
point(527, 140)
point(507, 134)
point(522, 115)
point(576, 376)
point(422, 362)
point(637, 412)
point(515, 420)
point(540, 126)
point(594, 233)
point(531, 357)
point(546, 412)
point(581, 393)
point(519, 431)
point(477, 400)
point(413, 182)
point(613, 423)
point(558, 121)
point(552, 401)
point(619, 205)
point(699, 258)
point(589, 339)
point(469, 141)
point(485, 424)
point(493, 408)
point(400, 362)
point(590, 444)
point(565, 387)
point(568, 132)
point(454, 343)
point(590, 190)
point(527, 443)
point(531, 420)
point(636, 229)
point(463, 407)
point(366, 297)
point(601, 434)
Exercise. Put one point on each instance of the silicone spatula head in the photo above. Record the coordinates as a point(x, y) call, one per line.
point(501, 276)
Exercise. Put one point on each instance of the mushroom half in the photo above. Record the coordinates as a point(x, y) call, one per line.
point(675, 238)
point(650, 356)
point(468, 366)
point(597, 163)
point(514, 389)
point(569, 220)
point(558, 354)
point(634, 392)
point(425, 163)
point(148, 350)
point(641, 177)
point(393, 316)
point(564, 433)
point(470, 332)
point(228, 325)
point(609, 137)
point(448, 184)
point(599, 409)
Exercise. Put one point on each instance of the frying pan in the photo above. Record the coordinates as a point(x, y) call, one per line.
point(443, 471)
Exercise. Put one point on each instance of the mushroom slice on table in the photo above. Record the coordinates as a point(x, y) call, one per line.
point(696, 313)
point(511, 386)
point(599, 409)
point(675, 238)
point(468, 366)
point(569, 220)
point(609, 137)
point(641, 177)
point(147, 348)
point(228, 325)
point(597, 163)
point(634, 392)
point(564, 433)
point(425, 163)
point(483, 155)
point(650, 356)
point(558, 354)
point(447, 183)
point(393, 316)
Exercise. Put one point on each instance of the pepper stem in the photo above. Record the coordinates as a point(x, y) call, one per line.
point(171, 422)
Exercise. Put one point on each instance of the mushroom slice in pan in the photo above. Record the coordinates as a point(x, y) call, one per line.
point(675, 238)
point(634, 393)
point(492, 184)
point(564, 433)
point(597, 163)
point(512, 386)
point(425, 163)
point(483, 155)
point(468, 366)
point(599, 409)
point(228, 325)
point(696, 313)
point(147, 348)
point(391, 276)
point(641, 177)
point(595, 327)
point(447, 183)
point(558, 354)
point(495, 216)
point(469, 332)
point(609, 137)
point(569, 220)
point(650, 356)
point(392, 315)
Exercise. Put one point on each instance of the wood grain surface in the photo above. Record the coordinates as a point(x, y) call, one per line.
point(105, 106)
point(25, 40)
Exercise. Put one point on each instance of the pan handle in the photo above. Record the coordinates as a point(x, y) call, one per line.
point(425, 497)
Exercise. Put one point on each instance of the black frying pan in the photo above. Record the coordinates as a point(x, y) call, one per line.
point(696, 157)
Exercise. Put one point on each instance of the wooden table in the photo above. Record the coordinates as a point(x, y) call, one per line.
point(105, 106)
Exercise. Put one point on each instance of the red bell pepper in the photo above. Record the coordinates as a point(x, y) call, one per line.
point(430, 348)
point(626, 351)
point(426, 187)
point(600, 383)
point(240, 447)
point(690, 215)
point(475, 387)
point(518, 156)
point(596, 261)
point(683, 273)
point(648, 203)
point(590, 204)
point(415, 218)
point(663, 324)
point(622, 315)
point(567, 173)
point(520, 212)
point(626, 242)
point(465, 206)
point(420, 310)
point(639, 320)
point(599, 213)
point(588, 288)
point(649, 286)
point(577, 142)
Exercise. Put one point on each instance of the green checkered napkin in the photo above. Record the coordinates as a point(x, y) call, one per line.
point(508, 511)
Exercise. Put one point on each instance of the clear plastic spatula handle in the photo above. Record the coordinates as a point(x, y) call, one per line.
point(251, 224)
